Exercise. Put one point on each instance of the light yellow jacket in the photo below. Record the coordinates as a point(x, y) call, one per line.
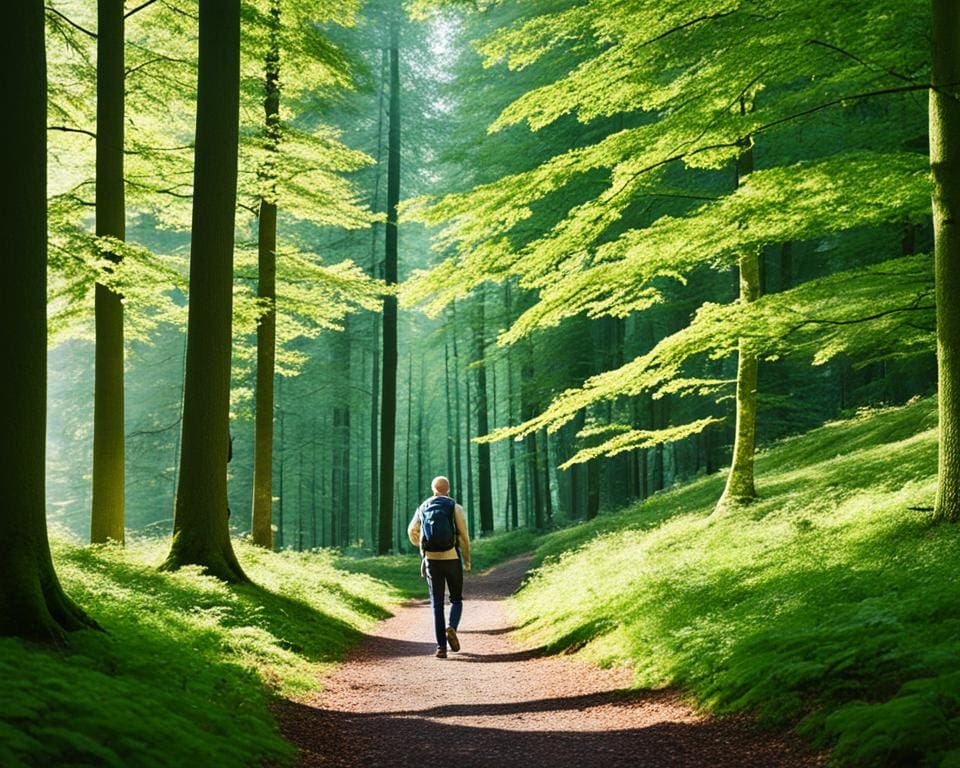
point(413, 533)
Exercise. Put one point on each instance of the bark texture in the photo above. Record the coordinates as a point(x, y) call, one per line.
point(262, 513)
point(945, 166)
point(201, 534)
point(107, 512)
point(740, 486)
point(32, 602)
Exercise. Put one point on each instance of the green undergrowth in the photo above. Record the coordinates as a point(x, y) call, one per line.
point(187, 667)
point(828, 603)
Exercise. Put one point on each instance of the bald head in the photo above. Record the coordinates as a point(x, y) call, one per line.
point(441, 486)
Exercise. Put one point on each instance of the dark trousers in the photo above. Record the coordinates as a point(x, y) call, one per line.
point(442, 575)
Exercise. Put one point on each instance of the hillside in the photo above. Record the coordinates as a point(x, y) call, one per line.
point(829, 602)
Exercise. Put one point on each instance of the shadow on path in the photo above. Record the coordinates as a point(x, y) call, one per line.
point(415, 740)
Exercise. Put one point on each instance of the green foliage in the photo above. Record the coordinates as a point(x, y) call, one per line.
point(827, 601)
point(646, 190)
point(185, 671)
point(884, 310)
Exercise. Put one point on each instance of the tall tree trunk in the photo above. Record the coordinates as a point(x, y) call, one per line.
point(449, 408)
point(201, 535)
point(32, 602)
point(528, 411)
point(422, 484)
point(313, 485)
point(457, 463)
point(945, 164)
point(388, 428)
point(593, 489)
point(107, 513)
point(547, 492)
point(483, 419)
point(300, 500)
point(740, 485)
point(283, 461)
point(512, 491)
point(408, 495)
point(375, 271)
point(471, 513)
point(340, 470)
point(262, 514)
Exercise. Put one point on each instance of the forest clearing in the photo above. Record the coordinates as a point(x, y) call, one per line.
point(629, 327)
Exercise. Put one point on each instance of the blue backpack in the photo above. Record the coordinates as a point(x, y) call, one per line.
point(438, 531)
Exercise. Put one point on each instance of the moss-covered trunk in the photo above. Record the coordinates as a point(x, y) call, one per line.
point(201, 534)
point(32, 602)
point(945, 164)
point(740, 486)
point(262, 513)
point(107, 513)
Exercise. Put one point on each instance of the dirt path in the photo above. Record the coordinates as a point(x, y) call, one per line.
point(500, 704)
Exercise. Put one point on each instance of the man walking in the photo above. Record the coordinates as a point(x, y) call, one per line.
point(439, 529)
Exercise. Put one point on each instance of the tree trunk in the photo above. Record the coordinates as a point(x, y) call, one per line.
point(547, 492)
point(107, 513)
point(375, 373)
point(388, 424)
point(201, 535)
point(457, 463)
point(945, 164)
point(314, 541)
point(449, 408)
point(528, 409)
point(262, 514)
point(483, 423)
point(300, 500)
point(593, 489)
point(283, 460)
point(32, 602)
point(513, 495)
point(471, 516)
point(740, 485)
point(408, 495)
point(422, 483)
point(340, 470)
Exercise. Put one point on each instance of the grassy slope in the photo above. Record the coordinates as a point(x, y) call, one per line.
point(179, 679)
point(827, 602)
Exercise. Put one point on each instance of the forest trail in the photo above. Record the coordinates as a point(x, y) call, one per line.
point(497, 703)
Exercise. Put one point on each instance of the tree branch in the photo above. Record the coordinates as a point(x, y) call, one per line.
point(140, 7)
point(859, 60)
point(915, 307)
point(68, 129)
point(71, 22)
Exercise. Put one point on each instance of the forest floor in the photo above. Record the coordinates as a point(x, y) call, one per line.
point(500, 703)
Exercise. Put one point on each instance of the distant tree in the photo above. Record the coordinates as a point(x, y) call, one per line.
point(483, 416)
point(388, 407)
point(32, 601)
point(201, 534)
point(262, 513)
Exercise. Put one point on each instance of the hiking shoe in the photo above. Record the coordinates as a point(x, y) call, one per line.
point(453, 639)
point(441, 653)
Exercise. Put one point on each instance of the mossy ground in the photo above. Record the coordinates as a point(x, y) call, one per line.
point(184, 673)
point(827, 603)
